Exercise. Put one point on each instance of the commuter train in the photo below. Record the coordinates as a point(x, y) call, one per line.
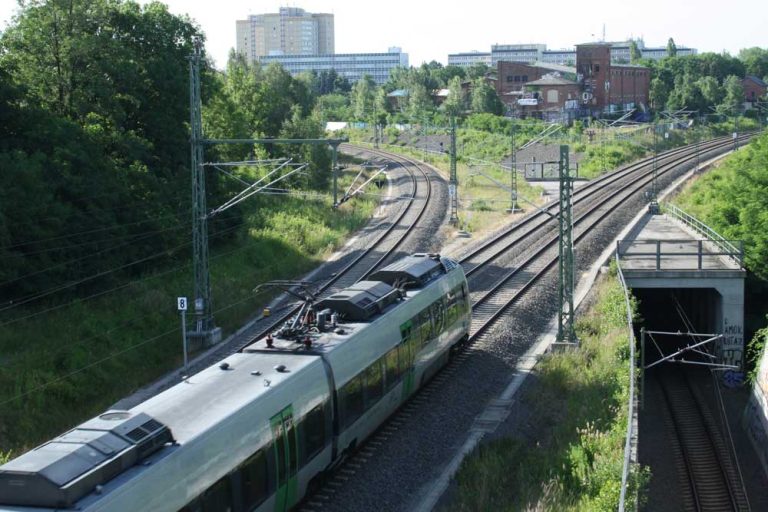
point(259, 429)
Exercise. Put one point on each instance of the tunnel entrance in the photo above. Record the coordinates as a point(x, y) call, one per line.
point(683, 310)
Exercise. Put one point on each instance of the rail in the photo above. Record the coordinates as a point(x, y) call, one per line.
point(689, 220)
point(631, 405)
point(676, 252)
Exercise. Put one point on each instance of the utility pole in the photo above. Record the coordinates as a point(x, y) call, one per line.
point(335, 172)
point(202, 299)
point(565, 328)
point(513, 208)
point(453, 185)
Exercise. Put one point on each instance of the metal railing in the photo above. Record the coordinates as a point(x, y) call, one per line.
point(631, 409)
point(676, 252)
point(726, 246)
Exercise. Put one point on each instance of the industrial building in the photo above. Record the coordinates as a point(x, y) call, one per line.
point(292, 31)
point(594, 87)
point(351, 66)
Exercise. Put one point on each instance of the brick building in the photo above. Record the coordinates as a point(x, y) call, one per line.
point(606, 86)
point(754, 88)
point(594, 87)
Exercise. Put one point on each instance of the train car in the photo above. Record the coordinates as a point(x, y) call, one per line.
point(260, 428)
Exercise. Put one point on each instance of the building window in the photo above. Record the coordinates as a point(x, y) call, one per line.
point(552, 96)
point(597, 68)
point(525, 78)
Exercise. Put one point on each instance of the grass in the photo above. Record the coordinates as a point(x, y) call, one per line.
point(64, 366)
point(578, 404)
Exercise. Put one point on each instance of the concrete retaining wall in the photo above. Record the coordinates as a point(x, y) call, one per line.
point(756, 413)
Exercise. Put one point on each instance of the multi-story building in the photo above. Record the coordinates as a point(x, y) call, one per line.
point(608, 86)
point(468, 59)
point(529, 53)
point(560, 57)
point(292, 31)
point(661, 52)
point(349, 65)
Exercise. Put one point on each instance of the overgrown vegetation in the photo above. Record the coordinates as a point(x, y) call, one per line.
point(572, 459)
point(733, 199)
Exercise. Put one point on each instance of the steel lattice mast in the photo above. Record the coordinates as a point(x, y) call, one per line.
point(565, 329)
point(453, 186)
point(202, 303)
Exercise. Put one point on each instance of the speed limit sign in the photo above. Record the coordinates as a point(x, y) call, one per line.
point(181, 303)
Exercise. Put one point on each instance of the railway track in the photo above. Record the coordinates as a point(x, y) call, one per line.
point(709, 480)
point(502, 269)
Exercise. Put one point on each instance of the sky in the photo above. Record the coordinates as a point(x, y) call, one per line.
point(429, 30)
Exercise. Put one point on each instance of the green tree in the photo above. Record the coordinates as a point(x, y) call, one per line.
point(477, 70)
point(755, 61)
point(363, 94)
point(419, 102)
point(634, 52)
point(734, 94)
point(455, 103)
point(711, 91)
point(485, 99)
point(671, 48)
point(659, 93)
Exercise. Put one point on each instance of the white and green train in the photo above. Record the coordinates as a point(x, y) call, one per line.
point(259, 429)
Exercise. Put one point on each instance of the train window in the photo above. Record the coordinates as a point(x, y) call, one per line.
point(391, 369)
point(312, 430)
point(438, 316)
point(353, 404)
point(424, 323)
point(279, 452)
point(373, 384)
point(254, 487)
point(218, 498)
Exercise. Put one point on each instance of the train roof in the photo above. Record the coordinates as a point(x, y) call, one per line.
point(222, 390)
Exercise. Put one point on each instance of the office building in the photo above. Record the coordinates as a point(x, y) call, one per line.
point(468, 59)
point(352, 66)
point(292, 31)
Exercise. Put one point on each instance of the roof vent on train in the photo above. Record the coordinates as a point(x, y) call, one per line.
point(361, 301)
point(410, 272)
point(64, 470)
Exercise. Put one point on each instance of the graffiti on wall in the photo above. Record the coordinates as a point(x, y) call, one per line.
point(730, 348)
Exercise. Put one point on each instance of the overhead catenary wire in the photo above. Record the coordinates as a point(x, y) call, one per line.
point(33, 221)
point(55, 289)
point(113, 355)
point(137, 238)
point(96, 230)
point(126, 285)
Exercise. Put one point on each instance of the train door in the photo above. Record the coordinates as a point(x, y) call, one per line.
point(284, 450)
point(406, 355)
